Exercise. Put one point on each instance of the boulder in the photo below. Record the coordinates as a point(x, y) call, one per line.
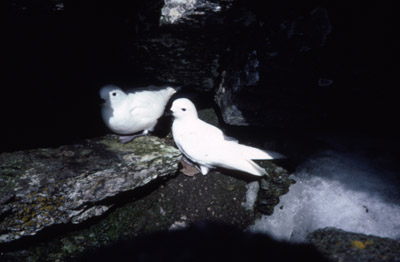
point(41, 188)
point(89, 195)
point(339, 245)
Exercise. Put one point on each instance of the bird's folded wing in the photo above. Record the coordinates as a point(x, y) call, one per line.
point(201, 141)
point(257, 154)
point(230, 139)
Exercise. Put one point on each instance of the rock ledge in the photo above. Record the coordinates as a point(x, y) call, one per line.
point(70, 184)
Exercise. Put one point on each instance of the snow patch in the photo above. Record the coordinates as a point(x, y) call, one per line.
point(334, 189)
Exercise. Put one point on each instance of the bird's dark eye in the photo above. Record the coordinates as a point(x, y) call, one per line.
point(114, 93)
point(183, 109)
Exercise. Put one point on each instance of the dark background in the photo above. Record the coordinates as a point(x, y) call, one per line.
point(55, 63)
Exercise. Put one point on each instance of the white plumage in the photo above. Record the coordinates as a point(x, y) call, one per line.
point(207, 146)
point(134, 111)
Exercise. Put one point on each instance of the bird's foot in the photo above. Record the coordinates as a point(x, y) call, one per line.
point(127, 139)
point(188, 168)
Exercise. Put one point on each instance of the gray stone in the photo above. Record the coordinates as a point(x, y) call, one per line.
point(71, 184)
point(339, 245)
point(173, 204)
point(193, 12)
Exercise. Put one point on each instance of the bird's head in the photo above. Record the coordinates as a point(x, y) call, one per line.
point(111, 94)
point(183, 108)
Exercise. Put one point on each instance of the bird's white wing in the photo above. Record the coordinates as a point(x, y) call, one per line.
point(149, 103)
point(230, 139)
point(256, 153)
point(198, 140)
point(206, 145)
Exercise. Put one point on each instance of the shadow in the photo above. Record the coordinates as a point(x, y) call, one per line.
point(54, 231)
point(373, 173)
point(203, 241)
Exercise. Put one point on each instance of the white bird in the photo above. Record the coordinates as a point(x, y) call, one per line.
point(136, 110)
point(207, 146)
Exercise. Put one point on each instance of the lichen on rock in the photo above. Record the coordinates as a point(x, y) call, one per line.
point(339, 245)
point(272, 187)
point(70, 184)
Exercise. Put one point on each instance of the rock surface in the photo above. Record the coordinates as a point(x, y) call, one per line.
point(267, 77)
point(193, 12)
point(174, 204)
point(71, 184)
point(261, 68)
point(187, 45)
point(281, 66)
point(339, 245)
point(110, 183)
point(97, 173)
point(272, 188)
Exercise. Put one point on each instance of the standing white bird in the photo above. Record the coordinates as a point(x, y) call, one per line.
point(136, 110)
point(207, 146)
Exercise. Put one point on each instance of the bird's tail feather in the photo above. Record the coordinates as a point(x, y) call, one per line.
point(177, 88)
point(245, 165)
point(258, 154)
point(260, 171)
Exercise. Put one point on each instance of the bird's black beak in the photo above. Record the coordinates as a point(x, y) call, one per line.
point(168, 113)
point(102, 101)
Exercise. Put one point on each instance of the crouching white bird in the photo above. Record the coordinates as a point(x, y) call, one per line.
point(134, 111)
point(207, 146)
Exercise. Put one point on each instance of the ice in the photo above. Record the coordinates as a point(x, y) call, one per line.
point(348, 191)
point(251, 195)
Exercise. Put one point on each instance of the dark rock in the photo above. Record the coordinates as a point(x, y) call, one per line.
point(339, 245)
point(114, 206)
point(185, 49)
point(204, 241)
point(42, 6)
point(177, 203)
point(71, 184)
point(272, 187)
point(267, 74)
point(193, 13)
point(261, 67)
point(178, 59)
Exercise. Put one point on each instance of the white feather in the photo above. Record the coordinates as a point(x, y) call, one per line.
point(133, 111)
point(207, 146)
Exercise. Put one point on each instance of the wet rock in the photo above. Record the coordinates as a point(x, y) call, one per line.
point(272, 187)
point(71, 184)
point(339, 245)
